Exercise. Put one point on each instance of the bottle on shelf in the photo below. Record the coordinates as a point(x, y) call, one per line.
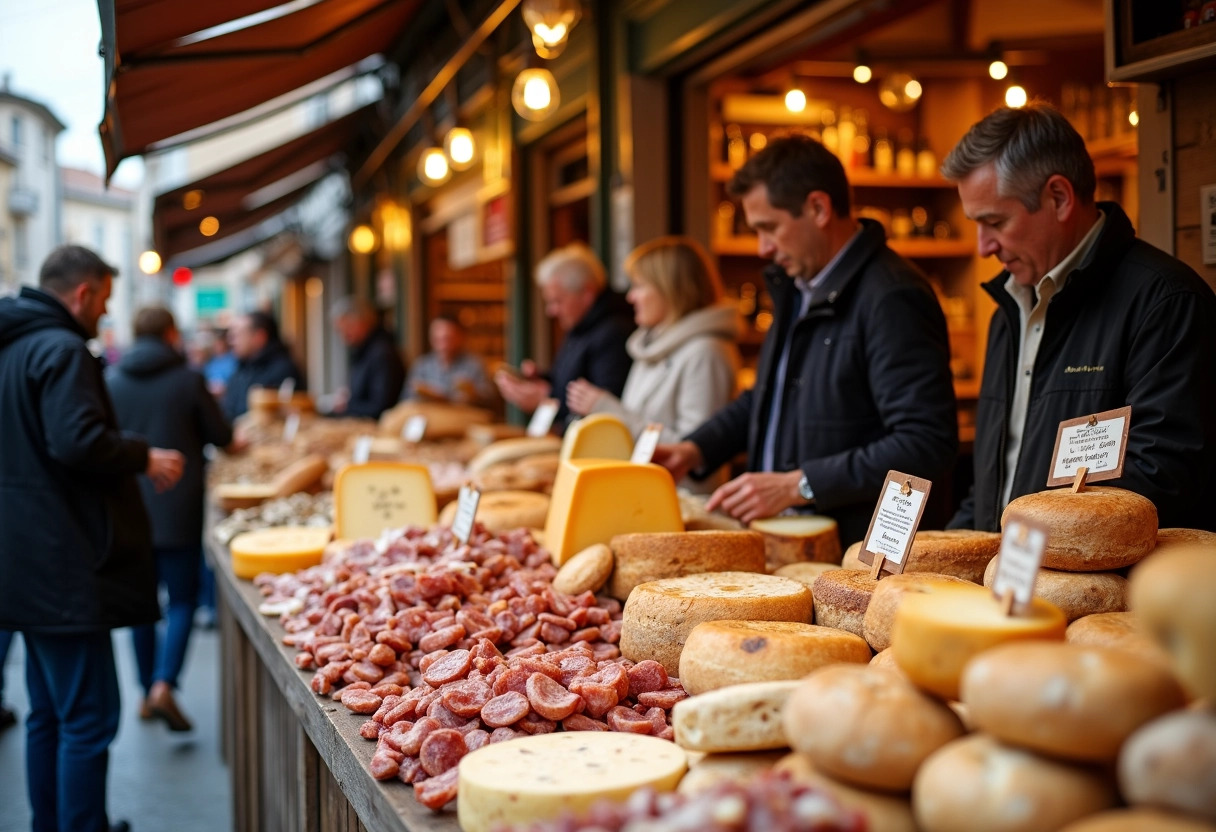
point(756, 142)
point(736, 147)
point(926, 161)
point(901, 224)
point(920, 222)
point(830, 136)
point(884, 153)
point(846, 132)
point(905, 155)
point(726, 220)
point(861, 141)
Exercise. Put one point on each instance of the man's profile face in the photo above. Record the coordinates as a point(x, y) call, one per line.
point(93, 300)
point(795, 243)
point(1026, 242)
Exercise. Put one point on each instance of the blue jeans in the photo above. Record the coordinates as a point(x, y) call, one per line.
point(178, 571)
point(74, 708)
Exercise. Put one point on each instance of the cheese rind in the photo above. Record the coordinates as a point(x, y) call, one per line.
point(375, 496)
point(879, 617)
point(798, 539)
point(1095, 530)
point(1077, 594)
point(587, 571)
point(504, 511)
point(841, 599)
point(1138, 820)
point(1171, 763)
point(643, 557)
point(708, 770)
point(962, 553)
point(278, 550)
point(883, 812)
point(805, 573)
point(1116, 630)
point(736, 718)
point(597, 436)
point(512, 450)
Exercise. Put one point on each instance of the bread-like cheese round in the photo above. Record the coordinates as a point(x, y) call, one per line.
point(841, 598)
point(961, 553)
point(1077, 594)
point(885, 660)
point(722, 653)
point(278, 550)
point(659, 615)
point(866, 726)
point(1171, 763)
point(1169, 538)
point(798, 539)
point(805, 573)
point(504, 511)
point(1138, 820)
point(585, 572)
point(697, 519)
point(1117, 630)
point(1172, 595)
point(883, 812)
point(709, 770)
point(510, 450)
point(653, 556)
point(879, 617)
point(1072, 702)
point(978, 783)
point(738, 718)
point(1095, 530)
point(852, 557)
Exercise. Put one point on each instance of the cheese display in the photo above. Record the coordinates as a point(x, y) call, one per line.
point(936, 635)
point(597, 436)
point(961, 553)
point(705, 771)
point(443, 420)
point(866, 726)
point(805, 573)
point(643, 557)
point(486, 435)
point(375, 496)
point(539, 777)
point(1171, 763)
point(797, 539)
point(1094, 530)
point(721, 653)
point(298, 476)
point(1169, 538)
point(885, 660)
point(594, 500)
point(841, 599)
point(883, 812)
point(697, 519)
point(503, 511)
point(1138, 820)
point(233, 496)
point(278, 550)
point(1118, 630)
point(659, 615)
point(738, 718)
point(885, 599)
point(512, 450)
point(1077, 594)
point(587, 571)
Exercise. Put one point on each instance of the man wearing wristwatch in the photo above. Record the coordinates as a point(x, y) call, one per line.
point(853, 377)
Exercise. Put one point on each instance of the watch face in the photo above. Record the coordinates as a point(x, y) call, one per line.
point(804, 489)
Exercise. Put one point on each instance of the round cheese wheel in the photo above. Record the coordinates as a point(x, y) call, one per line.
point(1172, 596)
point(1168, 538)
point(653, 556)
point(866, 726)
point(1095, 530)
point(1138, 820)
point(977, 783)
point(883, 812)
point(721, 653)
point(852, 557)
point(510, 450)
point(659, 615)
point(1077, 594)
point(798, 538)
point(737, 718)
point(709, 770)
point(879, 617)
point(1171, 763)
point(885, 660)
point(278, 550)
point(1118, 630)
point(585, 572)
point(540, 777)
point(841, 598)
point(504, 511)
point(1077, 703)
point(961, 553)
point(805, 573)
point(935, 635)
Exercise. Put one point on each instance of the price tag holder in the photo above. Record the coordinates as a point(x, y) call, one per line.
point(893, 526)
point(643, 449)
point(1017, 565)
point(286, 390)
point(1095, 443)
point(363, 450)
point(414, 429)
point(466, 512)
point(291, 427)
point(542, 418)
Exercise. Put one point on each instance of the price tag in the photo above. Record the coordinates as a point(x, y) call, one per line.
point(286, 390)
point(893, 526)
point(1017, 566)
point(414, 428)
point(466, 512)
point(643, 449)
point(363, 450)
point(542, 418)
point(291, 427)
point(1097, 443)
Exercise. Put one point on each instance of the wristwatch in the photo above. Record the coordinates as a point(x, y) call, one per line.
point(804, 490)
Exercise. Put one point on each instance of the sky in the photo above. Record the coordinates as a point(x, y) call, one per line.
point(48, 48)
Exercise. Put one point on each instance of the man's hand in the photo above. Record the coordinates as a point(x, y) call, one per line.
point(679, 458)
point(165, 467)
point(752, 496)
point(524, 393)
point(581, 396)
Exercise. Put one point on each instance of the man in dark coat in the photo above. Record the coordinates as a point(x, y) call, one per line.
point(76, 549)
point(160, 398)
point(854, 375)
point(377, 372)
point(262, 361)
point(1089, 318)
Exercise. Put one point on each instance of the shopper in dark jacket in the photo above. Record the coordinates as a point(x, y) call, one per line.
point(377, 372)
point(263, 361)
point(1088, 319)
point(854, 377)
point(76, 548)
point(157, 396)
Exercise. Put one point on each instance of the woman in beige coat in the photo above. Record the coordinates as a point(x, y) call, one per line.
point(684, 356)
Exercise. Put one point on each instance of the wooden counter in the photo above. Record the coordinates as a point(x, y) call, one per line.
point(296, 759)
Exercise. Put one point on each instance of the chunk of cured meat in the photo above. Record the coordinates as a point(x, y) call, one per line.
point(454, 665)
point(437, 792)
point(549, 699)
point(646, 677)
point(629, 721)
point(467, 698)
point(506, 709)
point(442, 750)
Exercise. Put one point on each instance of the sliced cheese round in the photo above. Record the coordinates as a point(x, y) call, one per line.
point(709, 770)
point(585, 572)
point(1077, 594)
point(1117, 630)
point(1138, 820)
point(651, 557)
point(805, 573)
point(879, 617)
point(738, 718)
point(798, 539)
point(1095, 530)
point(883, 812)
point(1171, 763)
point(504, 511)
point(539, 777)
point(1172, 596)
point(278, 550)
point(961, 553)
point(841, 597)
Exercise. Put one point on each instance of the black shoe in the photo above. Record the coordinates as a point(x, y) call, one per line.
point(7, 718)
point(120, 826)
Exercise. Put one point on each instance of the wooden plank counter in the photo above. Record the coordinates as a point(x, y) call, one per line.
point(296, 759)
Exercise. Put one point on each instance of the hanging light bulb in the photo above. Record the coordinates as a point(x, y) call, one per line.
point(1133, 118)
point(433, 166)
point(550, 22)
point(149, 262)
point(362, 239)
point(795, 101)
point(460, 148)
point(535, 94)
point(899, 91)
point(1015, 96)
point(862, 74)
point(209, 226)
point(997, 70)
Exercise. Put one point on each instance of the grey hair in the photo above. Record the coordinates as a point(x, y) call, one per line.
point(1028, 145)
point(352, 306)
point(573, 267)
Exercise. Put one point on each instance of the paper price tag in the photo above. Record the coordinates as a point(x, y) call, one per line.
point(893, 526)
point(542, 418)
point(414, 428)
point(1097, 443)
point(291, 427)
point(286, 390)
point(1017, 566)
point(363, 450)
point(466, 512)
point(643, 449)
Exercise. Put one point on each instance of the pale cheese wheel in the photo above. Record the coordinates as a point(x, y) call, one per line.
point(722, 653)
point(443, 420)
point(697, 519)
point(231, 496)
point(1171, 763)
point(539, 777)
point(879, 617)
point(852, 557)
point(883, 812)
point(504, 511)
point(653, 556)
point(977, 783)
point(798, 539)
point(709, 770)
point(302, 475)
point(1117, 630)
point(1077, 594)
point(510, 450)
point(962, 553)
point(885, 660)
point(597, 436)
point(486, 435)
point(866, 726)
point(1172, 596)
point(585, 572)
point(738, 718)
point(841, 597)
point(1072, 702)
point(659, 615)
point(375, 496)
point(278, 550)
point(1169, 538)
point(805, 573)
point(936, 635)
point(1094, 530)
point(1138, 820)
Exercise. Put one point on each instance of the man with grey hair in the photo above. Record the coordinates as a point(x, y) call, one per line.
point(1089, 318)
point(377, 372)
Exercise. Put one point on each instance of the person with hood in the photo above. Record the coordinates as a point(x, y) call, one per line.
point(684, 355)
point(262, 361)
point(158, 396)
point(377, 372)
point(76, 552)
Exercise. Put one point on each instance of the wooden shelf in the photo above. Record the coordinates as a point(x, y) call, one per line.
point(915, 248)
point(858, 178)
point(1155, 59)
point(465, 292)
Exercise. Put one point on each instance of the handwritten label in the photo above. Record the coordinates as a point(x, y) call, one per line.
point(896, 518)
point(542, 418)
point(291, 427)
point(643, 449)
point(286, 390)
point(466, 512)
point(1097, 442)
point(363, 450)
point(1017, 566)
point(414, 428)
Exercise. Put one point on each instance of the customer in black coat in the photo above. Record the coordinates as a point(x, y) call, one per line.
point(75, 546)
point(158, 396)
point(854, 375)
point(377, 372)
point(262, 361)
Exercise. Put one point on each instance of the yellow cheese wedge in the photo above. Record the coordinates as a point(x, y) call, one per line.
point(598, 436)
point(282, 549)
point(595, 500)
point(375, 496)
point(540, 777)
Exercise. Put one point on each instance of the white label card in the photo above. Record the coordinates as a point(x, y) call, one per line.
point(414, 428)
point(542, 418)
point(1097, 442)
point(896, 519)
point(643, 449)
point(286, 390)
point(466, 512)
point(363, 450)
point(1017, 566)
point(291, 427)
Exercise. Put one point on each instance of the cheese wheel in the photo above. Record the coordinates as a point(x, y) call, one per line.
point(539, 777)
point(805, 573)
point(486, 435)
point(962, 553)
point(1168, 538)
point(697, 519)
point(883, 812)
point(597, 436)
point(885, 660)
point(1138, 820)
point(1171, 763)
point(510, 450)
point(879, 617)
point(652, 557)
point(1117, 630)
point(841, 598)
point(1095, 530)
point(709, 770)
point(659, 615)
point(585, 572)
point(443, 420)
point(852, 557)
point(866, 726)
point(277, 550)
point(375, 496)
point(936, 635)
point(504, 511)
point(231, 496)
point(977, 783)
point(1172, 596)
point(797, 539)
point(722, 653)
point(1072, 702)
point(1077, 594)
point(738, 718)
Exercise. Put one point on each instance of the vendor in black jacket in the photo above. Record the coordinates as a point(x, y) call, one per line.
point(1089, 319)
point(262, 361)
point(854, 377)
point(377, 372)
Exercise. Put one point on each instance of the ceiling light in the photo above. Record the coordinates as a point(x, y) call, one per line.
point(1133, 118)
point(862, 74)
point(362, 239)
point(899, 91)
point(1015, 96)
point(997, 70)
point(209, 226)
point(795, 101)
point(192, 199)
point(460, 147)
point(149, 262)
point(535, 94)
point(550, 22)
point(433, 166)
